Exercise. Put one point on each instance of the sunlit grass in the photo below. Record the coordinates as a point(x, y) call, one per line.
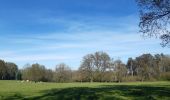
point(77, 91)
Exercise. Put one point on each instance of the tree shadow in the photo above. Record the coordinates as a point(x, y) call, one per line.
point(104, 92)
point(16, 96)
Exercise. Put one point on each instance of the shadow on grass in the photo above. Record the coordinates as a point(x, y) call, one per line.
point(110, 92)
point(16, 96)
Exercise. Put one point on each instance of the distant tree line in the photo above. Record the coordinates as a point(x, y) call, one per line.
point(96, 67)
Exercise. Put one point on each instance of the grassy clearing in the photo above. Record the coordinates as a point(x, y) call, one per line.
point(10, 90)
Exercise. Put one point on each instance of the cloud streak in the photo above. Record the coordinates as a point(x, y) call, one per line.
point(118, 38)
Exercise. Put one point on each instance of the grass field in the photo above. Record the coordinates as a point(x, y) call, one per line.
point(16, 90)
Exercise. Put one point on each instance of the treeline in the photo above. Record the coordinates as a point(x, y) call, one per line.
point(96, 67)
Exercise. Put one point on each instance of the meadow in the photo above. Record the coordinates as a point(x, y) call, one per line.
point(17, 90)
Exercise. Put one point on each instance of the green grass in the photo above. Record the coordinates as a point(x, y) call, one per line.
point(16, 90)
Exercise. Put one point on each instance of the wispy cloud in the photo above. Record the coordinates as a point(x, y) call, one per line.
point(37, 57)
point(119, 37)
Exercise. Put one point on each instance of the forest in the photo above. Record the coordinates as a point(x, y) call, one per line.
point(95, 67)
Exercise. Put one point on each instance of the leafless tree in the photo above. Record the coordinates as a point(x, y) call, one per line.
point(120, 70)
point(63, 73)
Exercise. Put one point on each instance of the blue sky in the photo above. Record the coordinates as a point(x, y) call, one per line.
point(54, 31)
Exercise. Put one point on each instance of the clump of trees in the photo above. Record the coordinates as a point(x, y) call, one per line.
point(37, 72)
point(95, 67)
point(100, 67)
point(148, 67)
point(9, 71)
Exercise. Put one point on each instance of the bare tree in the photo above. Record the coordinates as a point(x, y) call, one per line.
point(94, 66)
point(87, 68)
point(130, 66)
point(102, 62)
point(63, 73)
point(146, 66)
point(120, 70)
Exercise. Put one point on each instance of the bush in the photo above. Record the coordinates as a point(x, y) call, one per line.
point(165, 76)
point(131, 79)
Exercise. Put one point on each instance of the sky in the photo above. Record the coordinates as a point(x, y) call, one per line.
point(50, 32)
